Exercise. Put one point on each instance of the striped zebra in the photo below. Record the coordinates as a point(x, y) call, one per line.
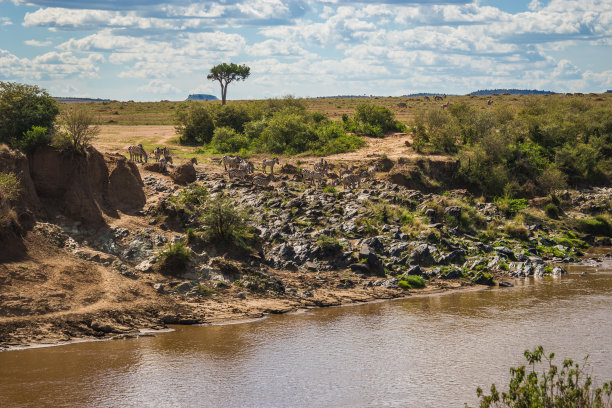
point(269, 163)
point(314, 175)
point(237, 173)
point(231, 161)
point(351, 180)
point(137, 153)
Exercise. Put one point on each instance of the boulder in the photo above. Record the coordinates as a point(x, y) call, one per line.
point(422, 255)
point(184, 173)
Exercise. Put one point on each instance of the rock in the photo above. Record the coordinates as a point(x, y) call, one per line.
point(184, 173)
point(144, 266)
point(422, 255)
point(415, 270)
point(159, 288)
point(345, 284)
point(286, 252)
point(453, 211)
point(455, 257)
point(397, 249)
point(505, 251)
point(184, 287)
point(559, 271)
point(374, 263)
point(360, 268)
point(430, 213)
point(505, 284)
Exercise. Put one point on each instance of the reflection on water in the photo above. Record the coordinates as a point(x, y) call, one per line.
point(428, 351)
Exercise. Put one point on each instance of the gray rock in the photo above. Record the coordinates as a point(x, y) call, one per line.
point(422, 255)
point(184, 287)
point(505, 251)
point(159, 288)
point(144, 266)
point(453, 211)
point(360, 268)
point(559, 271)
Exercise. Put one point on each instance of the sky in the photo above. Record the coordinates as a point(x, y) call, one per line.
point(150, 50)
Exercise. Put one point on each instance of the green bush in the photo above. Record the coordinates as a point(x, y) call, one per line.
point(511, 206)
point(567, 386)
point(33, 138)
point(552, 211)
point(194, 124)
point(22, 107)
point(174, 258)
point(411, 282)
point(224, 223)
point(10, 186)
point(599, 226)
point(234, 116)
point(329, 245)
point(517, 231)
point(374, 120)
point(287, 133)
point(227, 140)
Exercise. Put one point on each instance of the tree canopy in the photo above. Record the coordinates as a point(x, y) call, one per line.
point(23, 107)
point(227, 73)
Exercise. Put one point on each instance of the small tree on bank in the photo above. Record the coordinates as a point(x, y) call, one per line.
point(78, 129)
point(227, 73)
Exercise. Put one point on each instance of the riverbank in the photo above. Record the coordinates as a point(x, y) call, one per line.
point(86, 257)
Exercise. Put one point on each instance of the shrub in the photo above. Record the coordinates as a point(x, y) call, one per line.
point(511, 206)
point(33, 138)
point(21, 108)
point(77, 129)
point(233, 116)
point(224, 223)
point(227, 140)
point(564, 387)
point(375, 120)
point(174, 258)
point(194, 124)
point(599, 226)
point(330, 190)
point(287, 133)
point(552, 211)
point(329, 245)
point(517, 231)
point(411, 282)
point(10, 186)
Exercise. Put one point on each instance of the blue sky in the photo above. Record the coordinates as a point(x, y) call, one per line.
point(147, 50)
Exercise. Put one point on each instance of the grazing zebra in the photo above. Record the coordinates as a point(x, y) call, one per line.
point(438, 98)
point(320, 166)
point(371, 171)
point(269, 163)
point(166, 158)
point(426, 98)
point(231, 161)
point(262, 181)
point(352, 180)
point(490, 102)
point(137, 153)
point(248, 166)
point(237, 173)
point(445, 105)
point(314, 175)
point(157, 152)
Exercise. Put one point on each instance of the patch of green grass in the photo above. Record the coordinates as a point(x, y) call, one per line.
point(411, 282)
point(174, 258)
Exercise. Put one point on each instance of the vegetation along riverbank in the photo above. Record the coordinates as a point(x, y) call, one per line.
point(367, 199)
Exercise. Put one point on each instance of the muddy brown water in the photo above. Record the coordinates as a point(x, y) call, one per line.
point(420, 352)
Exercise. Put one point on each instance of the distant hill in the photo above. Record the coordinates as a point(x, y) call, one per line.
point(202, 97)
point(511, 92)
point(69, 99)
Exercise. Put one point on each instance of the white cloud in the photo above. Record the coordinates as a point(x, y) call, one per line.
point(5, 21)
point(36, 43)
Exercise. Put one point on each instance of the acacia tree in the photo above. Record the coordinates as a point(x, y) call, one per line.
point(227, 73)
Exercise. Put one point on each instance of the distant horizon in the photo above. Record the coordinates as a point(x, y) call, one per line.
point(415, 95)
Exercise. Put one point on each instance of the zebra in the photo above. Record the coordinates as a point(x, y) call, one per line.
point(137, 153)
point(270, 163)
point(438, 98)
point(351, 180)
point(262, 181)
point(231, 161)
point(446, 105)
point(314, 175)
point(237, 173)
point(320, 166)
point(194, 161)
point(490, 102)
point(157, 152)
point(248, 166)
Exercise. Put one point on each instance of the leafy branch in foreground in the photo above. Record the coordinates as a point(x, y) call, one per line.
point(566, 387)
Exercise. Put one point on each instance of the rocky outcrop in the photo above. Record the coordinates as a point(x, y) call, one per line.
point(184, 173)
point(84, 187)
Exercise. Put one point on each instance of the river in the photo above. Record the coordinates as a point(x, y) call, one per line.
point(418, 352)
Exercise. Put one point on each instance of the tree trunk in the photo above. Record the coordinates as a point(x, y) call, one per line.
point(223, 93)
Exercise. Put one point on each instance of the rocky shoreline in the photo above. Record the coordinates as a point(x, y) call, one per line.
point(316, 247)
